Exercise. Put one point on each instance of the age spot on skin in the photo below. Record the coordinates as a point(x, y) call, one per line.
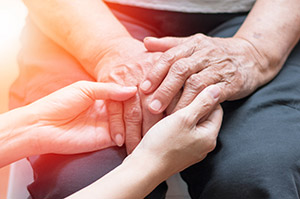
point(257, 35)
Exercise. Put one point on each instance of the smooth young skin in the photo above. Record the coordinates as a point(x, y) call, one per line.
point(173, 144)
point(238, 65)
point(70, 120)
point(109, 54)
point(170, 146)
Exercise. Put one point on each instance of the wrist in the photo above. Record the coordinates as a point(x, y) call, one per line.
point(146, 172)
point(93, 51)
point(262, 49)
point(266, 64)
point(26, 123)
point(16, 138)
point(30, 123)
point(155, 166)
point(136, 177)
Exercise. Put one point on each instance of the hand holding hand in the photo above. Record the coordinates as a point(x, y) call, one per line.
point(126, 63)
point(74, 119)
point(186, 136)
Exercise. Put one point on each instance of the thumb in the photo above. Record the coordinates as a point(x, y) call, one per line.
point(154, 44)
point(203, 104)
point(104, 91)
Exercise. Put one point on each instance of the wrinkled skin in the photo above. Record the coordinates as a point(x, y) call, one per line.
point(127, 63)
point(198, 61)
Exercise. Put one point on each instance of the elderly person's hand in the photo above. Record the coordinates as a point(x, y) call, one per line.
point(199, 61)
point(74, 119)
point(126, 63)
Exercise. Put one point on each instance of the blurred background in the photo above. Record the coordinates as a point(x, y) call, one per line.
point(12, 19)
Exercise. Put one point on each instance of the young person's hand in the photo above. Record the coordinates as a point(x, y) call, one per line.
point(186, 136)
point(171, 145)
point(74, 119)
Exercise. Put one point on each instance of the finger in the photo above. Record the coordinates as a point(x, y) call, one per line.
point(116, 123)
point(154, 78)
point(213, 123)
point(170, 109)
point(201, 105)
point(154, 44)
point(229, 92)
point(133, 122)
point(174, 81)
point(96, 90)
point(195, 84)
point(207, 131)
point(149, 119)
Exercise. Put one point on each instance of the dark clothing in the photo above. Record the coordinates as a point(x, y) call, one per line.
point(258, 150)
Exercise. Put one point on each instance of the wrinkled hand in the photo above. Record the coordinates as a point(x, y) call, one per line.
point(199, 61)
point(74, 119)
point(126, 64)
point(186, 136)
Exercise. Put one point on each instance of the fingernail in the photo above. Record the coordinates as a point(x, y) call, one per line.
point(145, 85)
point(151, 38)
point(119, 140)
point(130, 89)
point(146, 38)
point(214, 91)
point(155, 105)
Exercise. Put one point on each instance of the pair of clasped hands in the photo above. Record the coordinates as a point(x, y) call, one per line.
point(169, 73)
point(169, 88)
point(139, 94)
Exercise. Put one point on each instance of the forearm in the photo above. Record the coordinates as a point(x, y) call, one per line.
point(136, 177)
point(273, 28)
point(15, 139)
point(86, 29)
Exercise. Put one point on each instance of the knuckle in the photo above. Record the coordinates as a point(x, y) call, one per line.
point(194, 83)
point(84, 87)
point(116, 128)
point(165, 91)
point(155, 75)
point(207, 102)
point(133, 115)
point(116, 119)
point(185, 119)
point(180, 69)
point(167, 58)
point(198, 37)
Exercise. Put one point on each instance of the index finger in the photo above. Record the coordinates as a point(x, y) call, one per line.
point(97, 91)
point(162, 66)
point(133, 122)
